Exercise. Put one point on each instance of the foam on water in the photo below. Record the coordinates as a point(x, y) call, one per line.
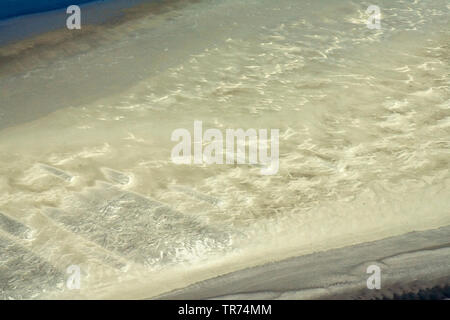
point(364, 140)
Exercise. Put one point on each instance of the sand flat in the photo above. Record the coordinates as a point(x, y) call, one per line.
point(363, 115)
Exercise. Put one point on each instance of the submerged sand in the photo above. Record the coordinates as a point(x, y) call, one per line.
point(86, 176)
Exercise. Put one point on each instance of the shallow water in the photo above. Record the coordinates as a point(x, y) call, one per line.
point(364, 120)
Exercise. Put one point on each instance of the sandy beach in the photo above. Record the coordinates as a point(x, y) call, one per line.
point(409, 263)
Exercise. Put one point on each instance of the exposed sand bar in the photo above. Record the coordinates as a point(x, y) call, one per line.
point(413, 261)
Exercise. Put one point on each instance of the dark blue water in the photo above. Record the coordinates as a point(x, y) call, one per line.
point(13, 8)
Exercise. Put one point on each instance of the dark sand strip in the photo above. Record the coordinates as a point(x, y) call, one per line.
point(409, 263)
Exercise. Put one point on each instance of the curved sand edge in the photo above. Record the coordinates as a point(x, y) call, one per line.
point(408, 263)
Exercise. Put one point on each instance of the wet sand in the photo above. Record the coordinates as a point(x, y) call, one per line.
point(37, 42)
point(409, 263)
